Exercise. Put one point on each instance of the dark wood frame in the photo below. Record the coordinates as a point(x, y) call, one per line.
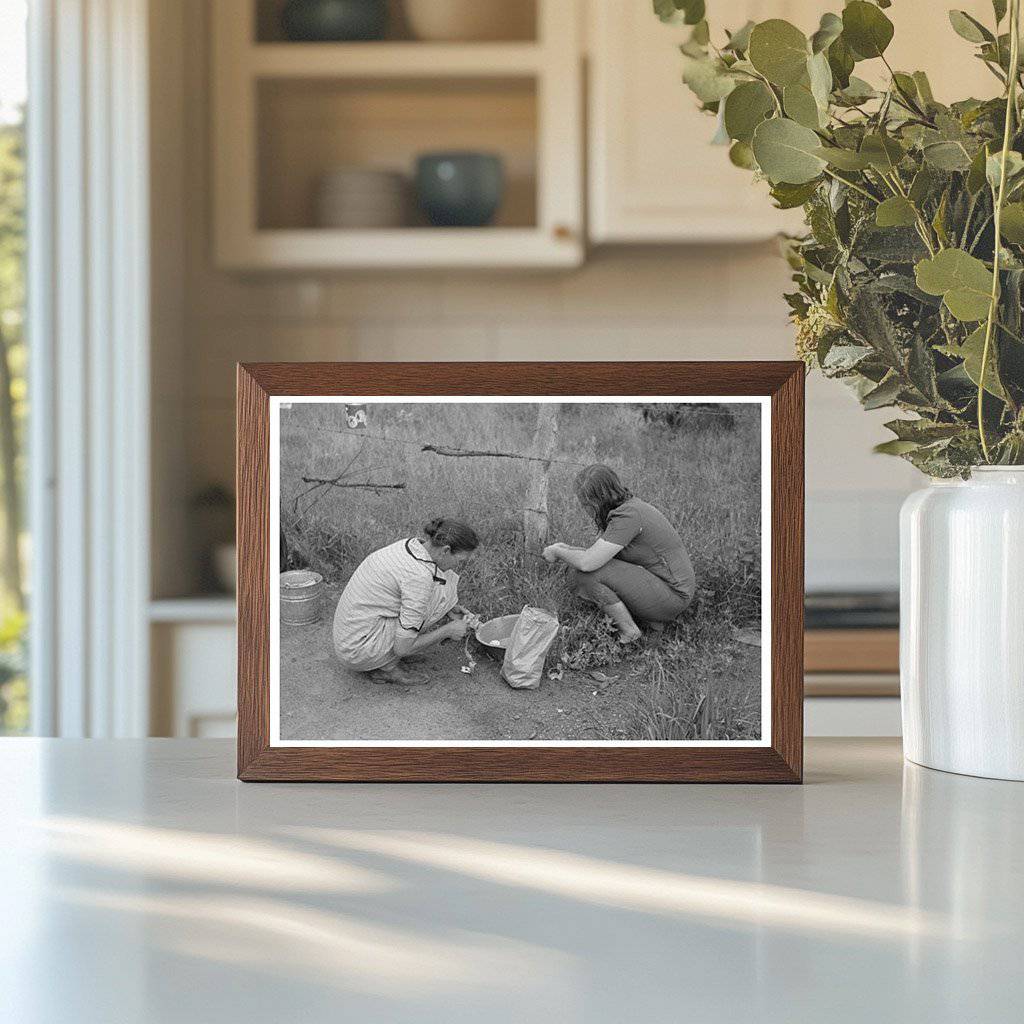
point(780, 762)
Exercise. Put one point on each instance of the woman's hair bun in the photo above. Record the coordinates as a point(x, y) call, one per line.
point(457, 535)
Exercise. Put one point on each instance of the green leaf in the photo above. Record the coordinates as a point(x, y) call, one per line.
point(868, 319)
point(857, 91)
point(924, 88)
point(939, 220)
point(801, 106)
point(1012, 223)
point(971, 352)
point(840, 61)
point(889, 245)
point(922, 185)
point(788, 196)
point(819, 74)
point(883, 152)
point(739, 41)
point(921, 370)
point(947, 156)
point(999, 9)
point(963, 281)
point(923, 431)
point(689, 12)
point(993, 166)
point(721, 136)
point(779, 51)
point(829, 30)
point(787, 151)
point(895, 447)
point(701, 34)
point(707, 78)
point(866, 29)
point(895, 212)
point(844, 159)
point(843, 358)
point(741, 155)
point(976, 173)
point(969, 28)
point(665, 10)
point(745, 108)
point(885, 394)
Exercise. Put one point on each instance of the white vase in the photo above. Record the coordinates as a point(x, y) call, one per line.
point(962, 624)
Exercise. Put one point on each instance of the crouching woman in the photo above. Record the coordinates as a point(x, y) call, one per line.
point(638, 568)
point(389, 605)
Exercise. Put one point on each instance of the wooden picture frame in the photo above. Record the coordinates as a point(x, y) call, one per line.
point(778, 759)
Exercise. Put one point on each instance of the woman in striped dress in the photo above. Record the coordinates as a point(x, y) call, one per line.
point(397, 594)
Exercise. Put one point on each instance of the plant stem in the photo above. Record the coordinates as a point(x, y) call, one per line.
point(1011, 108)
point(853, 185)
point(907, 99)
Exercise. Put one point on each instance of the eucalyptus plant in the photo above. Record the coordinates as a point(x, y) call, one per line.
point(910, 278)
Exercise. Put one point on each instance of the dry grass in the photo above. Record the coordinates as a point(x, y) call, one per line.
point(700, 467)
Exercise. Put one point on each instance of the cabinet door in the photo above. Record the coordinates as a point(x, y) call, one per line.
point(654, 176)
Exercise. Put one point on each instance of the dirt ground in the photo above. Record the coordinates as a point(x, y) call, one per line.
point(320, 700)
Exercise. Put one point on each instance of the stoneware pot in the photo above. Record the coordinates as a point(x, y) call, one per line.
point(332, 21)
point(962, 624)
point(459, 189)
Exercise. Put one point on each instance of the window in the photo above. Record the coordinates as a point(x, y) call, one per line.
point(14, 691)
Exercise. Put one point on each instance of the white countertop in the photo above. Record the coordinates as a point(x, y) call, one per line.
point(140, 882)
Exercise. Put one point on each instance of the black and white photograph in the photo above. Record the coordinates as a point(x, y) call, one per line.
point(515, 571)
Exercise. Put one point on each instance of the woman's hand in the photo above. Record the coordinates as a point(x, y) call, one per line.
point(456, 629)
point(550, 553)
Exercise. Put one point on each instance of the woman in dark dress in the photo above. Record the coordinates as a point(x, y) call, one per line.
point(638, 568)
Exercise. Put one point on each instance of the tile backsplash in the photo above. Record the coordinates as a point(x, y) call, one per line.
point(709, 303)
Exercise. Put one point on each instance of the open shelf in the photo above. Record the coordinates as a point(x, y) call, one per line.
point(389, 60)
point(309, 127)
point(520, 23)
point(287, 114)
point(205, 608)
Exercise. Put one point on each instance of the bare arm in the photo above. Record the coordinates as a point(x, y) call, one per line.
point(584, 559)
point(407, 642)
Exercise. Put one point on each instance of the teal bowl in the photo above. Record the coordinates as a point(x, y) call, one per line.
point(334, 21)
point(461, 190)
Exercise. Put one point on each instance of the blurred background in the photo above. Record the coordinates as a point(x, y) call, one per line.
point(361, 179)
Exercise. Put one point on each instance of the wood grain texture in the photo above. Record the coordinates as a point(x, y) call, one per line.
point(252, 487)
point(780, 762)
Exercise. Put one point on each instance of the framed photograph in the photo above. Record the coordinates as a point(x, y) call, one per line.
point(562, 572)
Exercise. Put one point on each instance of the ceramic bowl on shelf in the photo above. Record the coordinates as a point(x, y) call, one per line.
point(460, 189)
point(470, 20)
point(362, 197)
point(334, 21)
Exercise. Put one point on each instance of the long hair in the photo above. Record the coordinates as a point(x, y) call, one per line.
point(600, 492)
point(458, 536)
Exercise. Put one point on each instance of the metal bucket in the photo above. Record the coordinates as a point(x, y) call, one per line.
point(302, 597)
point(495, 634)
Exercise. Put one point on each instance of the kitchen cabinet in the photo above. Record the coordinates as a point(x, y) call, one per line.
point(654, 177)
point(288, 114)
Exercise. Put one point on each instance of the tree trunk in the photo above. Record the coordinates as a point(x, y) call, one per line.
point(11, 492)
point(535, 514)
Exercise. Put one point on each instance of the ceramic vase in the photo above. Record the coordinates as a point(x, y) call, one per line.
point(962, 624)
